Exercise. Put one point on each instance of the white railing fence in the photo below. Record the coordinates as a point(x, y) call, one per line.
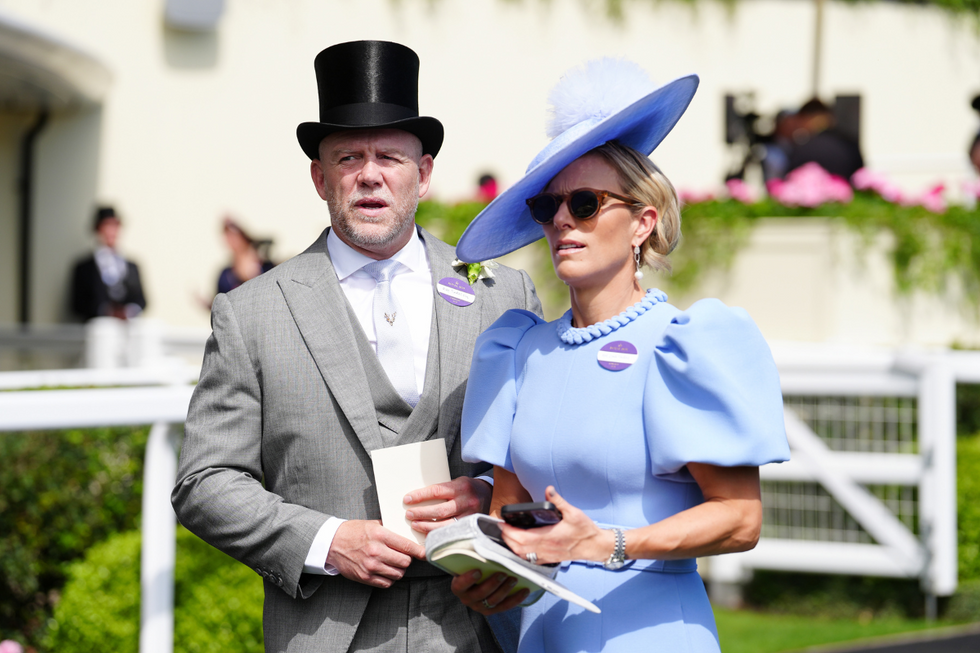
point(898, 431)
point(871, 487)
point(160, 397)
point(105, 343)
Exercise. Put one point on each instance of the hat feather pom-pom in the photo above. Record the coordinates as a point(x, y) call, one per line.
point(595, 90)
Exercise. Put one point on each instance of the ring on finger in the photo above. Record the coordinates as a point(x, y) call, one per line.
point(487, 605)
point(532, 557)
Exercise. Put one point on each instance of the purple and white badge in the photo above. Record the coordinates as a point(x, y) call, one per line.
point(456, 291)
point(617, 355)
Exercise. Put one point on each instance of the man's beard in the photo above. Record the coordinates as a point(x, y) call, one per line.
point(351, 223)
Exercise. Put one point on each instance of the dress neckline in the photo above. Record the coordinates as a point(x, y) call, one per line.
point(577, 335)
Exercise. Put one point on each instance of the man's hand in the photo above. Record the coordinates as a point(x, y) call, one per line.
point(366, 551)
point(490, 596)
point(457, 498)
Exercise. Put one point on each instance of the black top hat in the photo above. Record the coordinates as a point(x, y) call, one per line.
point(368, 84)
point(102, 214)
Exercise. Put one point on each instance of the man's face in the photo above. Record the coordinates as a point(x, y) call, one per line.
point(372, 180)
point(108, 232)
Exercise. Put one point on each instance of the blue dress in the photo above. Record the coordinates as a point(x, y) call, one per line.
point(612, 430)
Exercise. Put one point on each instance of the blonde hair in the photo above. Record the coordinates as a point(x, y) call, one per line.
point(642, 180)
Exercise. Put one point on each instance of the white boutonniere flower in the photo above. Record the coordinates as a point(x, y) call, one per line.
point(477, 271)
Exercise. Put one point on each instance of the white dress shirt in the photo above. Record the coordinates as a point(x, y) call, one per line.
point(412, 285)
point(112, 269)
point(112, 266)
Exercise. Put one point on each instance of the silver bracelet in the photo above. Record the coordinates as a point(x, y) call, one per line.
point(618, 557)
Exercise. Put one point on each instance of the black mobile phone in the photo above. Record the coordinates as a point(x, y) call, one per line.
point(531, 515)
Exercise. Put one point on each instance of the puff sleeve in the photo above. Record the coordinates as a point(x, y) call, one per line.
point(713, 393)
point(491, 392)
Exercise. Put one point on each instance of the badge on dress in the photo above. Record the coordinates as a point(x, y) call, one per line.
point(456, 291)
point(617, 355)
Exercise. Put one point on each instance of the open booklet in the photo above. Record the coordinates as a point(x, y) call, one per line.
point(475, 542)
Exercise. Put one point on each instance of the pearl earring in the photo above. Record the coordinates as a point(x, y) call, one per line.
point(636, 257)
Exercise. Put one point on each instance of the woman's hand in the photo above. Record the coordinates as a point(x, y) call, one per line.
point(575, 537)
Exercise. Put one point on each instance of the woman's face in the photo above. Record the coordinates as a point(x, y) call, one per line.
point(593, 252)
point(236, 240)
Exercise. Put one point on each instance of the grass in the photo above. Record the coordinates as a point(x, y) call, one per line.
point(743, 631)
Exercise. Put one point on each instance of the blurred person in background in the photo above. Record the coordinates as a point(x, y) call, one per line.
point(486, 189)
point(247, 259)
point(817, 139)
point(974, 150)
point(974, 153)
point(775, 164)
point(105, 283)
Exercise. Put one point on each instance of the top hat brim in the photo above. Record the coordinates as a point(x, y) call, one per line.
point(505, 225)
point(428, 130)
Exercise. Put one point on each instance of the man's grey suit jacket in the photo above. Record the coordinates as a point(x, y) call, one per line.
point(282, 423)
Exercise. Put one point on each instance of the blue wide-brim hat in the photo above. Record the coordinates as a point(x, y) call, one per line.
point(593, 105)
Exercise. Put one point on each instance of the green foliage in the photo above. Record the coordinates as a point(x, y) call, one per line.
point(928, 249)
point(744, 631)
point(968, 409)
point(835, 597)
point(60, 493)
point(447, 221)
point(615, 9)
point(712, 233)
point(218, 601)
point(957, 6)
point(968, 505)
point(100, 606)
point(965, 605)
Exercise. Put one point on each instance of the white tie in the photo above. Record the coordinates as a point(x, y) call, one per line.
point(395, 350)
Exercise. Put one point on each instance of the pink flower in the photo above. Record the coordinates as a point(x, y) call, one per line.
point(971, 188)
point(931, 200)
point(10, 646)
point(865, 179)
point(741, 191)
point(687, 196)
point(810, 186)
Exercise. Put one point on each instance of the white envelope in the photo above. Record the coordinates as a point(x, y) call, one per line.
point(398, 471)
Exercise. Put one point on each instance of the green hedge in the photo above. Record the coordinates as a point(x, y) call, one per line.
point(928, 248)
point(218, 601)
point(60, 493)
point(968, 507)
point(616, 10)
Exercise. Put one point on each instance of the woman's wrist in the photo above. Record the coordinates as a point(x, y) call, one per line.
point(605, 545)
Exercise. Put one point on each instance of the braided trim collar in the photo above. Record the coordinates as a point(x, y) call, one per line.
point(576, 336)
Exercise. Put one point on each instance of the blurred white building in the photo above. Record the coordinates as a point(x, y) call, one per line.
point(177, 126)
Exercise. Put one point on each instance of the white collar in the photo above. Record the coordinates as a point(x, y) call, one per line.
point(346, 260)
point(103, 251)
